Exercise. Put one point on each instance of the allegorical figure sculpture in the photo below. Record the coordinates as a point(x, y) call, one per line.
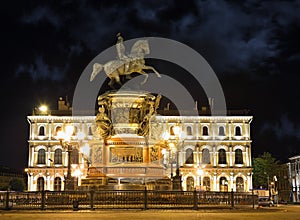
point(103, 123)
point(143, 129)
point(125, 65)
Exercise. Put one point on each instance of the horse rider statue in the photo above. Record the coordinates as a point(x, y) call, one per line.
point(120, 47)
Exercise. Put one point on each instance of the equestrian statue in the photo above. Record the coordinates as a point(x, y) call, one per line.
point(126, 64)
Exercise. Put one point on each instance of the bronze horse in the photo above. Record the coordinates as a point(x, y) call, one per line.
point(135, 63)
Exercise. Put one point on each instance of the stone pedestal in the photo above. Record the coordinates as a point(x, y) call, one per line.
point(125, 158)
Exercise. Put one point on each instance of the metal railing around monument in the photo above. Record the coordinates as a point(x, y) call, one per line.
point(124, 199)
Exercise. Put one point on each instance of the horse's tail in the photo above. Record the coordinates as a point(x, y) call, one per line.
point(96, 69)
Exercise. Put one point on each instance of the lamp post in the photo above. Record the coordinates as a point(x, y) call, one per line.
point(173, 146)
point(65, 141)
point(276, 189)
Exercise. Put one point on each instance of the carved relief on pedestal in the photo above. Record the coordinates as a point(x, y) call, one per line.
point(97, 155)
point(154, 154)
point(126, 154)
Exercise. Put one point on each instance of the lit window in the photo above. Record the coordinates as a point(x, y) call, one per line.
point(57, 184)
point(90, 131)
point(74, 131)
point(41, 156)
point(172, 130)
point(238, 131)
point(239, 184)
point(238, 156)
point(221, 131)
point(58, 156)
point(189, 156)
point(222, 156)
point(206, 183)
point(205, 156)
point(74, 156)
point(42, 131)
point(223, 184)
point(188, 130)
point(40, 184)
point(57, 129)
point(204, 130)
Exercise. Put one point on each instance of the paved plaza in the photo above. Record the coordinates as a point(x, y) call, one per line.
point(283, 212)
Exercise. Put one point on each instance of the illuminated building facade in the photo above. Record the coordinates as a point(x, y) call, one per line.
point(294, 177)
point(210, 153)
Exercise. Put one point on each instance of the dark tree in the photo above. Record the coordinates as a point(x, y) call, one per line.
point(265, 167)
point(17, 184)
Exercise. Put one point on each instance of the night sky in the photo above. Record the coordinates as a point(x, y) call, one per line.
point(253, 46)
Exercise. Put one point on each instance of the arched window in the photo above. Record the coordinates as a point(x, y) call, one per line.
point(206, 183)
point(189, 157)
point(40, 184)
point(205, 156)
point(41, 156)
point(42, 131)
point(57, 129)
point(239, 184)
point(204, 130)
point(189, 130)
point(221, 131)
point(75, 130)
point(74, 156)
point(90, 132)
point(58, 156)
point(190, 183)
point(238, 156)
point(57, 184)
point(222, 156)
point(172, 130)
point(223, 184)
point(238, 131)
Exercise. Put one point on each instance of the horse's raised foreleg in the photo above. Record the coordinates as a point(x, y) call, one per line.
point(117, 78)
point(111, 82)
point(145, 74)
point(151, 68)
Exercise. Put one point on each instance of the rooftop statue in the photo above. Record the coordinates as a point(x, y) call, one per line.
point(125, 65)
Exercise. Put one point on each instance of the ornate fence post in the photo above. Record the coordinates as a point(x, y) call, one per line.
point(145, 199)
point(92, 192)
point(7, 201)
point(43, 200)
point(195, 200)
point(232, 199)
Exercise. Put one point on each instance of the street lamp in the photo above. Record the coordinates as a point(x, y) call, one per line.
point(173, 147)
point(65, 141)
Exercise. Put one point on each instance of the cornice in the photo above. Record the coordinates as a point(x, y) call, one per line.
point(50, 118)
point(185, 119)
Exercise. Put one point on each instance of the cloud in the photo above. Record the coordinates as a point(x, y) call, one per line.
point(40, 70)
point(227, 35)
point(42, 14)
point(284, 128)
point(232, 36)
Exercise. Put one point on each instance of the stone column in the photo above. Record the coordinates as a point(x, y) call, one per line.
point(232, 186)
point(249, 182)
point(31, 156)
point(49, 130)
point(33, 131)
point(231, 155)
point(215, 185)
point(214, 156)
point(48, 181)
